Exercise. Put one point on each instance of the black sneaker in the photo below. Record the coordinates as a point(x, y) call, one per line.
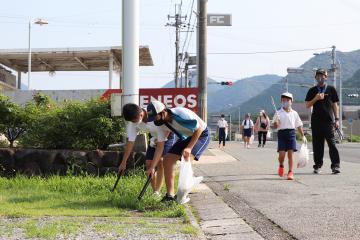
point(259, 145)
point(317, 170)
point(168, 198)
point(335, 170)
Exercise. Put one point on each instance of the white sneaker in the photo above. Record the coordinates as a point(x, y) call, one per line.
point(156, 194)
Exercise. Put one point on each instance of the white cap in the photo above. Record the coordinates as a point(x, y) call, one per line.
point(288, 95)
point(153, 109)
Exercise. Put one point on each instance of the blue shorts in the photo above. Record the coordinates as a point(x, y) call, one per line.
point(168, 144)
point(287, 140)
point(247, 132)
point(198, 149)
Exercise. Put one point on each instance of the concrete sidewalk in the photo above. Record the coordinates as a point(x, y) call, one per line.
point(217, 219)
point(312, 206)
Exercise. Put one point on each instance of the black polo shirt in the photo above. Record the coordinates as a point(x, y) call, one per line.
point(322, 109)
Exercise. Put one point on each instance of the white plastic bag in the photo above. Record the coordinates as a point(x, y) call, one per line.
point(303, 156)
point(268, 135)
point(187, 181)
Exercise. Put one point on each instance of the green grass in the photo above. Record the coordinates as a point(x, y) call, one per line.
point(47, 230)
point(354, 138)
point(80, 196)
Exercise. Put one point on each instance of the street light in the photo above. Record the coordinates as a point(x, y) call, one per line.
point(38, 22)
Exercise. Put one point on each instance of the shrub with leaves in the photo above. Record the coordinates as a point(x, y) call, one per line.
point(12, 123)
point(73, 125)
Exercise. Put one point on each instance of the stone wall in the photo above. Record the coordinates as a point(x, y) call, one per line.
point(33, 162)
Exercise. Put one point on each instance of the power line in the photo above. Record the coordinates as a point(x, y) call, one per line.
point(268, 52)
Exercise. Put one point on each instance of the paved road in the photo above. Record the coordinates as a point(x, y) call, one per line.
point(349, 152)
point(322, 206)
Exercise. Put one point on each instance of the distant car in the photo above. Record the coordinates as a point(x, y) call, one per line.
point(353, 95)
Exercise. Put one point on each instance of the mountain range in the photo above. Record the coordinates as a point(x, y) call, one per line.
point(254, 93)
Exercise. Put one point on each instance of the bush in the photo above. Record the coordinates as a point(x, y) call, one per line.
point(12, 123)
point(73, 125)
point(354, 138)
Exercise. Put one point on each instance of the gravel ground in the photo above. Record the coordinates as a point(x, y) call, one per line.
point(95, 228)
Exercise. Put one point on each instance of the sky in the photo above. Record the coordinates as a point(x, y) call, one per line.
point(257, 26)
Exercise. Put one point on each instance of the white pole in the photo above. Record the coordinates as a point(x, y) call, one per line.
point(111, 67)
point(340, 100)
point(130, 50)
point(29, 57)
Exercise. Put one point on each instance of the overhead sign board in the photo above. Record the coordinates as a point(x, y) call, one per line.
point(219, 20)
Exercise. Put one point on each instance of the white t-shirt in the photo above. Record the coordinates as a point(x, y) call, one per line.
point(158, 133)
point(187, 114)
point(222, 123)
point(247, 123)
point(288, 120)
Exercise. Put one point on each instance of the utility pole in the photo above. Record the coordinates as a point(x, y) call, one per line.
point(178, 24)
point(202, 58)
point(334, 68)
point(186, 69)
point(333, 65)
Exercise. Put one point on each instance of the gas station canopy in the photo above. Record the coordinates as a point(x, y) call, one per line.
point(69, 59)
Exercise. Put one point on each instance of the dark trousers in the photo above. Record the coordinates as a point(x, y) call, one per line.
point(222, 136)
point(320, 133)
point(263, 136)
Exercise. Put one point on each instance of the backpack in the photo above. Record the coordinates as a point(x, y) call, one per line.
point(263, 125)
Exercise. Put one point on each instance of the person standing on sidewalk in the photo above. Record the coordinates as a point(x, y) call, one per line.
point(287, 120)
point(324, 120)
point(262, 127)
point(247, 128)
point(193, 139)
point(222, 128)
point(160, 143)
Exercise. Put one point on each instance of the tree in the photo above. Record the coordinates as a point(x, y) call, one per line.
point(12, 123)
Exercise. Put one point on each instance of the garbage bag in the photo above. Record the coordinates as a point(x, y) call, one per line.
point(187, 181)
point(303, 156)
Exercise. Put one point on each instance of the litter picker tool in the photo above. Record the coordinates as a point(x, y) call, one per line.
point(144, 188)
point(273, 104)
point(117, 180)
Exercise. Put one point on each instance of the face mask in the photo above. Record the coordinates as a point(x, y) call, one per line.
point(160, 121)
point(286, 104)
point(320, 81)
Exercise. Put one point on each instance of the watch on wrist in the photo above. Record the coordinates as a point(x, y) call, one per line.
point(336, 119)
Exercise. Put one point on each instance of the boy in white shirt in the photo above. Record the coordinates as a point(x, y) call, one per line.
point(286, 120)
point(222, 126)
point(247, 129)
point(160, 143)
point(193, 139)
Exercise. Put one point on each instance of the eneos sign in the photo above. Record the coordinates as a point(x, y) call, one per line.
point(171, 97)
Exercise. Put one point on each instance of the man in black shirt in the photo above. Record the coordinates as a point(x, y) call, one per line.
point(324, 100)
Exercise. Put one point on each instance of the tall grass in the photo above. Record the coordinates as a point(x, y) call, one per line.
point(80, 196)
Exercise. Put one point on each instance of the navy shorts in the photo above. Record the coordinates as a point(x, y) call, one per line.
point(287, 140)
point(198, 149)
point(247, 132)
point(168, 144)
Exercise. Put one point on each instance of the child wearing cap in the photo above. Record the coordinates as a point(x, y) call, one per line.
point(160, 142)
point(287, 120)
point(193, 139)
